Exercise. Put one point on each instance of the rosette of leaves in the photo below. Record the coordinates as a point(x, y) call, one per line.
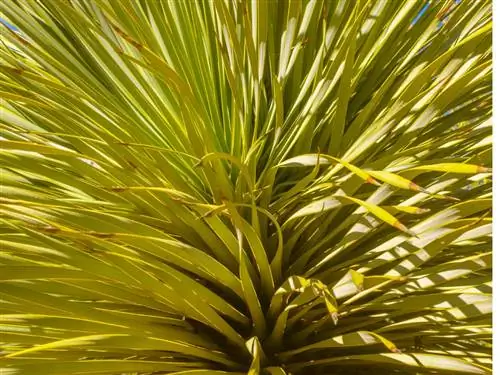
point(236, 187)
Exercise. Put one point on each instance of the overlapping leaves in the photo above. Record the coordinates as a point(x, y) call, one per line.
point(232, 187)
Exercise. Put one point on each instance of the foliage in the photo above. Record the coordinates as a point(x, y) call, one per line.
point(230, 187)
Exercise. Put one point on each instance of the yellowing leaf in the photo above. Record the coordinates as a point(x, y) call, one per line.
point(452, 168)
point(357, 278)
point(395, 180)
point(407, 209)
point(312, 159)
point(380, 213)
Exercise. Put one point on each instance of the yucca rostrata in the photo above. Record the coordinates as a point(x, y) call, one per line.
point(231, 187)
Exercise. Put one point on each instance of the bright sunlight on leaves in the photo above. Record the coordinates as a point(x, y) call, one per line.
point(268, 187)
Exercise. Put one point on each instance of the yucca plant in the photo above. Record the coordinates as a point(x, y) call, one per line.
point(234, 187)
